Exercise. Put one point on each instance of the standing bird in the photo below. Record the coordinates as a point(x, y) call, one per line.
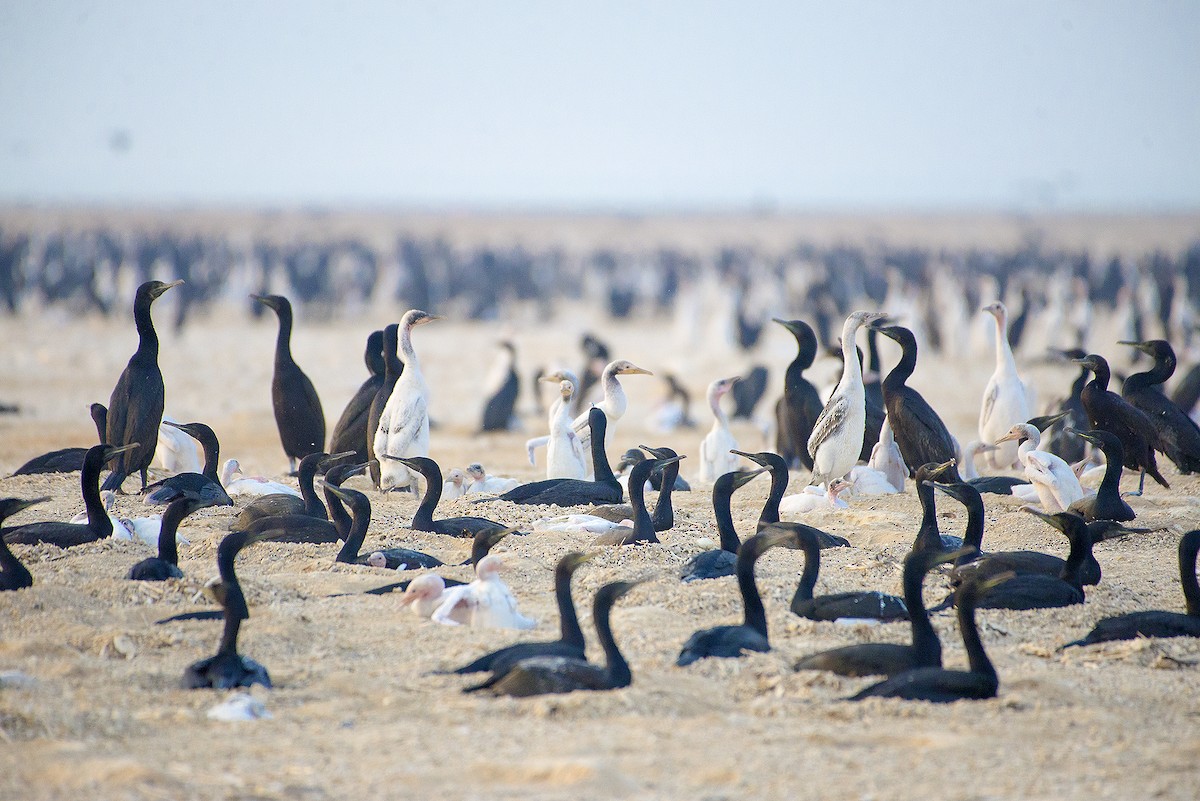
point(228, 668)
point(498, 412)
point(564, 450)
point(1006, 400)
point(13, 574)
point(751, 634)
point(135, 408)
point(298, 411)
point(800, 406)
point(919, 432)
point(166, 564)
point(392, 370)
point(715, 458)
point(837, 437)
point(350, 433)
point(1109, 411)
point(1178, 436)
point(404, 422)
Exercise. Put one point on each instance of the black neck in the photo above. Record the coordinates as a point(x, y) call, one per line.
point(89, 485)
point(229, 636)
point(643, 526)
point(616, 666)
point(904, 368)
point(925, 641)
point(976, 656)
point(779, 482)
point(1187, 571)
point(358, 529)
point(306, 474)
point(568, 620)
point(812, 568)
point(176, 511)
point(212, 455)
point(392, 366)
point(602, 472)
point(722, 501)
point(1081, 548)
point(1164, 368)
point(283, 341)
point(664, 512)
point(1114, 463)
point(928, 536)
point(147, 336)
point(1103, 374)
point(423, 519)
point(755, 613)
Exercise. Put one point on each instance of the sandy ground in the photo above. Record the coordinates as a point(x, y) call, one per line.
point(355, 713)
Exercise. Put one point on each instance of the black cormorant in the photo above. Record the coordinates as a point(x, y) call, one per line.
point(13, 574)
point(571, 491)
point(866, 604)
point(499, 409)
point(720, 561)
point(1107, 503)
point(392, 558)
point(67, 460)
point(423, 518)
point(800, 406)
point(1178, 434)
point(283, 503)
point(166, 564)
point(392, 368)
point(1109, 411)
point(350, 433)
point(204, 486)
point(643, 530)
point(135, 408)
point(774, 463)
point(298, 411)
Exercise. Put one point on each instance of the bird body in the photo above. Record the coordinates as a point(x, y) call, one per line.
point(1055, 482)
point(575, 492)
point(1109, 411)
point(350, 432)
point(715, 457)
point(1177, 435)
point(423, 519)
point(404, 422)
point(800, 406)
point(1006, 398)
point(205, 486)
point(298, 413)
point(486, 602)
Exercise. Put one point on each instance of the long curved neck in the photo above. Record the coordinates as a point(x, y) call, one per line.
point(808, 577)
point(1081, 547)
point(903, 369)
point(10, 565)
point(925, 641)
point(1187, 572)
point(312, 503)
point(976, 656)
point(601, 471)
point(664, 512)
point(714, 403)
point(1004, 355)
point(568, 621)
point(643, 526)
point(168, 549)
point(973, 536)
point(967, 470)
point(1159, 372)
point(405, 349)
point(429, 502)
point(1103, 376)
point(615, 665)
point(928, 536)
point(89, 485)
point(851, 369)
point(212, 457)
point(1114, 463)
point(779, 482)
point(147, 336)
point(614, 394)
point(283, 340)
point(356, 535)
point(392, 366)
point(755, 613)
point(229, 636)
point(341, 519)
point(722, 501)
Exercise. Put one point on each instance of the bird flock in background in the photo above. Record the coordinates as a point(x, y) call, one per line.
point(870, 434)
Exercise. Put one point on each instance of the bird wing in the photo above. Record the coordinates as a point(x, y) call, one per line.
point(457, 603)
point(989, 402)
point(404, 426)
point(831, 417)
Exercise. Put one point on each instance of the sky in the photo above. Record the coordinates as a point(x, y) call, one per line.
point(609, 105)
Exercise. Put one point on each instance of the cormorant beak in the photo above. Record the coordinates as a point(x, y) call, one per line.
point(1053, 520)
point(751, 456)
point(1048, 421)
point(336, 490)
point(428, 318)
point(159, 291)
point(944, 557)
point(21, 505)
point(575, 559)
point(743, 477)
point(1144, 347)
point(1009, 437)
point(995, 581)
point(943, 467)
point(634, 370)
point(669, 460)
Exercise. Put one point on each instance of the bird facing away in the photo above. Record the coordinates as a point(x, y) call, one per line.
point(350, 432)
point(135, 407)
point(298, 413)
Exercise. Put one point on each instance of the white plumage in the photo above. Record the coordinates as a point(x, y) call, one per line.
point(479, 481)
point(564, 449)
point(715, 457)
point(251, 486)
point(404, 424)
point(887, 459)
point(1053, 479)
point(812, 499)
point(1006, 400)
point(485, 602)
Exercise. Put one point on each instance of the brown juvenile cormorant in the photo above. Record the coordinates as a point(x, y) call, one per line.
point(1157, 623)
point(166, 564)
point(393, 558)
point(392, 368)
point(937, 684)
point(423, 518)
point(800, 406)
point(135, 408)
point(205, 486)
point(868, 604)
point(779, 481)
point(1109, 411)
point(887, 658)
point(228, 668)
point(920, 433)
point(751, 633)
point(1178, 436)
point(570, 642)
point(99, 524)
point(298, 413)
point(13, 574)
point(350, 433)
point(540, 675)
point(1107, 503)
point(66, 460)
point(720, 561)
point(643, 530)
point(571, 491)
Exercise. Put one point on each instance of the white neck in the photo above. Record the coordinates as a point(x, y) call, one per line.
point(1004, 355)
point(851, 369)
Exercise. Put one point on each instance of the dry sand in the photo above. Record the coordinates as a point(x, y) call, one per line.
point(355, 713)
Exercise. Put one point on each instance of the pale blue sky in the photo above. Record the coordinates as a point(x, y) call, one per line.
point(645, 105)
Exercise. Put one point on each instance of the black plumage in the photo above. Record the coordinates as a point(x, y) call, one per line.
point(392, 368)
point(298, 413)
point(774, 464)
point(869, 604)
point(720, 561)
point(283, 503)
point(920, 434)
point(350, 432)
point(1177, 435)
point(800, 406)
point(643, 530)
point(166, 564)
point(423, 519)
point(1107, 503)
point(498, 411)
point(572, 491)
point(747, 392)
point(393, 558)
point(227, 668)
point(205, 486)
point(67, 460)
point(1109, 411)
point(13, 574)
point(135, 408)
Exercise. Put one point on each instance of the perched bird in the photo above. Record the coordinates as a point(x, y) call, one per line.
point(715, 458)
point(1006, 399)
point(800, 406)
point(205, 486)
point(135, 408)
point(937, 684)
point(13, 574)
point(837, 438)
point(298, 412)
point(642, 530)
point(570, 643)
point(404, 422)
point(720, 561)
point(166, 564)
point(350, 432)
point(540, 675)
point(1157, 623)
point(227, 668)
point(774, 463)
point(1109, 411)
point(751, 634)
point(1178, 436)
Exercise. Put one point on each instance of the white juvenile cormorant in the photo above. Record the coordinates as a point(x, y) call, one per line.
point(715, 458)
point(486, 602)
point(135, 408)
point(564, 449)
point(478, 480)
point(1006, 399)
point(837, 437)
point(166, 564)
point(1055, 482)
point(404, 422)
point(298, 412)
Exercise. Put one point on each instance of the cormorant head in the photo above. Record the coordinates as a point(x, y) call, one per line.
point(767, 459)
point(973, 588)
point(728, 482)
point(1158, 349)
point(572, 561)
point(625, 367)
point(1019, 433)
point(1068, 523)
point(997, 310)
point(475, 470)
point(155, 289)
point(1045, 421)
point(10, 506)
point(415, 317)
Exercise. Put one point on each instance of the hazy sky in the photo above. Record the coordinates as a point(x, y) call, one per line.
point(636, 104)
